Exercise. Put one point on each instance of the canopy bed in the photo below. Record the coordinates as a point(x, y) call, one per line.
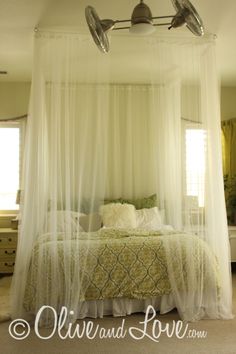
point(103, 133)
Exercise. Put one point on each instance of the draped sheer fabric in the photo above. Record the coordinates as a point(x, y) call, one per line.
point(94, 133)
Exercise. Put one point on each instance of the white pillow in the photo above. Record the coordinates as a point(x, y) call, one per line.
point(118, 215)
point(66, 220)
point(149, 219)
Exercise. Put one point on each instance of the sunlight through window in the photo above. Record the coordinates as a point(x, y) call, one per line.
point(195, 163)
point(9, 162)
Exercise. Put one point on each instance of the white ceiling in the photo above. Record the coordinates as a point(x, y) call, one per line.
point(20, 17)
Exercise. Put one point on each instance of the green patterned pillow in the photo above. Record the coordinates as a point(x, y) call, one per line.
point(139, 203)
point(110, 201)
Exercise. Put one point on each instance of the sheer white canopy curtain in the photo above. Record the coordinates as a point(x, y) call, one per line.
point(106, 127)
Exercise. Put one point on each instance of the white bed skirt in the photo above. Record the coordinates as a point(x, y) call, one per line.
point(124, 306)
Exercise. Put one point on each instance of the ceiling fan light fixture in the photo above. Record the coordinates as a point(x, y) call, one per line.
point(141, 13)
point(142, 28)
point(141, 20)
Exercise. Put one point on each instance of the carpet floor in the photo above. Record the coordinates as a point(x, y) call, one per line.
point(220, 339)
point(5, 283)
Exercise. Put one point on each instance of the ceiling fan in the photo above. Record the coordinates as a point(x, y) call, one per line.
point(142, 22)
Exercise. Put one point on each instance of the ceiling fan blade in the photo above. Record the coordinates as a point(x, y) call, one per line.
point(187, 14)
point(98, 28)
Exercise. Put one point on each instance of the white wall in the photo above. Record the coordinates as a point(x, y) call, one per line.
point(190, 99)
point(14, 99)
point(228, 102)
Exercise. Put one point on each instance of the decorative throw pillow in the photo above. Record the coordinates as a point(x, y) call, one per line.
point(144, 203)
point(148, 219)
point(114, 201)
point(139, 203)
point(118, 215)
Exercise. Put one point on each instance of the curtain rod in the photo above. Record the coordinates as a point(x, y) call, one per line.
point(14, 119)
point(81, 30)
point(190, 120)
point(25, 116)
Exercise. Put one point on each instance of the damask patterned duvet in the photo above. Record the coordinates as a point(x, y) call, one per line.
point(115, 264)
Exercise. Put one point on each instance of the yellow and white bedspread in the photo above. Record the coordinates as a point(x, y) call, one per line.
point(113, 263)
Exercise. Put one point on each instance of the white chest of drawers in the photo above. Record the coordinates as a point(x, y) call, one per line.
point(8, 244)
point(232, 240)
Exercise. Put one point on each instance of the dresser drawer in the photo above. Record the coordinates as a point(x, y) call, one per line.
point(8, 244)
point(7, 267)
point(9, 253)
point(8, 239)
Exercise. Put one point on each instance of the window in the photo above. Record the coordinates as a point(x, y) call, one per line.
point(9, 165)
point(195, 149)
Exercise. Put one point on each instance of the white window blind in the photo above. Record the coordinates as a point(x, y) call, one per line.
point(9, 165)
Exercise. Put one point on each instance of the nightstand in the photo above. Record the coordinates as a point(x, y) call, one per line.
point(8, 244)
point(232, 240)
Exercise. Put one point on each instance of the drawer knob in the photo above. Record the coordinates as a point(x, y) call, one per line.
point(10, 252)
point(9, 239)
point(9, 264)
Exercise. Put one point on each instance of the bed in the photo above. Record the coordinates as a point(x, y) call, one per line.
point(124, 270)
